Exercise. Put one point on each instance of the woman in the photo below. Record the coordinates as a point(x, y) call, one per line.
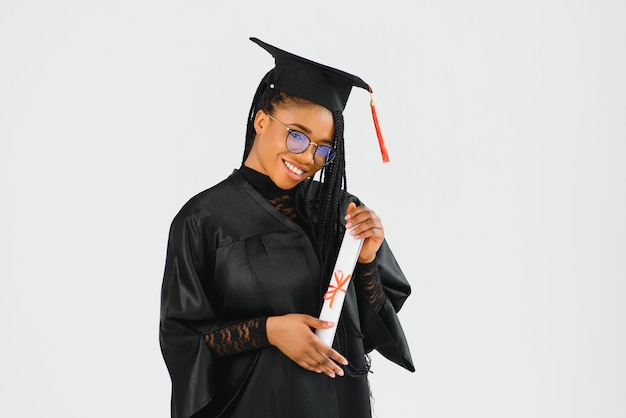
point(249, 260)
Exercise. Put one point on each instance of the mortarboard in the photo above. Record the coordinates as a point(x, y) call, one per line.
point(318, 83)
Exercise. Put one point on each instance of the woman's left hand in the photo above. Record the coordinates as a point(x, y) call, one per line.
point(369, 227)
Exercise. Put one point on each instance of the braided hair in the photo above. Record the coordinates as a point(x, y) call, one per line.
point(319, 203)
point(323, 200)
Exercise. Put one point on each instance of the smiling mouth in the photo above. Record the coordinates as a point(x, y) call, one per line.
point(293, 168)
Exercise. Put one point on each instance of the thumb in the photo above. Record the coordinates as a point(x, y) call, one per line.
point(351, 207)
point(319, 323)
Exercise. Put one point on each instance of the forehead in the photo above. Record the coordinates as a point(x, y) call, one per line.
point(314, 120)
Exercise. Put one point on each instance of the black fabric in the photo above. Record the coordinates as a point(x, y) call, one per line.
point(310, 80)
point(232, 256)
point(282, 200)
point(252, 334)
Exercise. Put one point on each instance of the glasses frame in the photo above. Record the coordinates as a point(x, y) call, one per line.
point(317, 147)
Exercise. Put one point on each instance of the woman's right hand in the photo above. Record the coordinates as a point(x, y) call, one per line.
point(293, 336)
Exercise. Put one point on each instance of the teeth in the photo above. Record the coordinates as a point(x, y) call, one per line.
point(294, 169)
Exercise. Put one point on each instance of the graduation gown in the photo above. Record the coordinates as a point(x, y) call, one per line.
point(231, 256)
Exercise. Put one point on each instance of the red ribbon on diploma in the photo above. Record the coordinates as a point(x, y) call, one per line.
point(340, 281)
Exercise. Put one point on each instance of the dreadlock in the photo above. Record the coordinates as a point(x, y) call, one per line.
point(319, 204)
point(328, 200)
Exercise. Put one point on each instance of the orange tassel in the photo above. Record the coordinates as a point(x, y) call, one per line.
point(381, 141)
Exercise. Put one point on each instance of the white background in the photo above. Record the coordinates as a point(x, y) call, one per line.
point(504, 201)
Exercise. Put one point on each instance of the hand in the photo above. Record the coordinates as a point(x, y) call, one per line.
point(369, 227)
point(292, 335)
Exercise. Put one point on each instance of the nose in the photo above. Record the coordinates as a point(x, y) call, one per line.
point(312, 150)
point(308, 155)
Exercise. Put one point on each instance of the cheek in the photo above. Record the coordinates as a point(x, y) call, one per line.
point(268, 147)
point(277, 144)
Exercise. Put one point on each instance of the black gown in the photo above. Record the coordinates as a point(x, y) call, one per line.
point(231, 257)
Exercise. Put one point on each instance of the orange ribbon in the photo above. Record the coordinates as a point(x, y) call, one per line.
point(333, 290)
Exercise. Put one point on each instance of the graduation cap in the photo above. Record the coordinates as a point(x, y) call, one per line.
point(318, 83)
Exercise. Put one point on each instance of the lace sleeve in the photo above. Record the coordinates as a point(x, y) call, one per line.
point(238, 337)
point(367, 277)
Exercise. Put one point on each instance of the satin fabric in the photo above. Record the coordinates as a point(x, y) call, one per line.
point(232, 256)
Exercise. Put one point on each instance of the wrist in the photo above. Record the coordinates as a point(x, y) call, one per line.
point(366, 259)
point(270, 327)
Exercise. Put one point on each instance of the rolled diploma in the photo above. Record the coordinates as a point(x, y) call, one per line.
point(342, 274)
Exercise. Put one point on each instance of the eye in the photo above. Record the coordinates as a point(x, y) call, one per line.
point(299, 136)
point(324, 150)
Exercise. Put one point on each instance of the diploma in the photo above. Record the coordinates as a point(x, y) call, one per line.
point(342, 274)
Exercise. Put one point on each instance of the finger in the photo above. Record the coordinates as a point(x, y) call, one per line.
point(319, 323)
point(337, 358)
point(366, 216)
point(332, 369)
point(331, 353)
point(366, 230)
point(361, 226)
point(310, 366)
point(326, 365)
point(351, 208)
point(350, 212)
point(317, 362)
point(362, 217)
point(320, 358)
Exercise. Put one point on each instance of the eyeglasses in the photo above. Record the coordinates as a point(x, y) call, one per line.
point(297, 142)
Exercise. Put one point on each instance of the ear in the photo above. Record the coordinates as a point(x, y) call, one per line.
point(260, 121)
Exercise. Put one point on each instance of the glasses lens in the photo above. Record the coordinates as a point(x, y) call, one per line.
point(323, 155)
point(297, 142)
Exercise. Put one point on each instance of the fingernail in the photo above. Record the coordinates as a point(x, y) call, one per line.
point(332, 375)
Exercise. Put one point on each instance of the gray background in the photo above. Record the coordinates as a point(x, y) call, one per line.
point(504, 200)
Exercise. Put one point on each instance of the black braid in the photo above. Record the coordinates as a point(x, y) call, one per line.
point(254, 108)
point(324, 201)
point(320, 206)
point(329, 197)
